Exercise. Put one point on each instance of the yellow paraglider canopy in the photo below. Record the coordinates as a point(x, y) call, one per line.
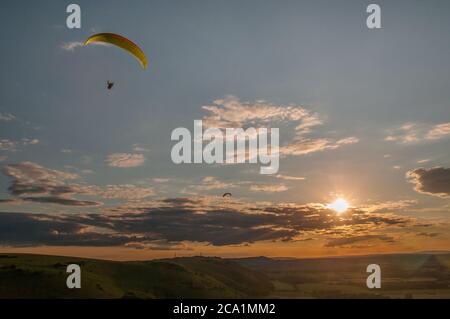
point(121, 42)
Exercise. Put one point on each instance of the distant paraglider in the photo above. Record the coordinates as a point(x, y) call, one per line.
point(121, 42)
point(109, 85)
point(226, 195)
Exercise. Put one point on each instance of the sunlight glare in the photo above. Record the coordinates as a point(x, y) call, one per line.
point(340, 205)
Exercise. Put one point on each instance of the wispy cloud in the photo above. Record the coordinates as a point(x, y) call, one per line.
point(290, 178)
point(10, 145)
point(438, 131)
point(307, 146)
point(140, 148)
point(210, 183)
point(425, 234)
point(125, 191)
point(7, 117)
point(269, 188)
point(161, 180)
point(355, 239)
point(418, 132)
point(389, 206)
point(72, 45)
point(125, 160)
point(7, 145)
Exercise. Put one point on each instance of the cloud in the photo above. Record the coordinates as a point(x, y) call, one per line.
point(34, 183)
point(157, 245)
point(7, 117)
point(423, 234)
point(418, 132)
point(438, 131)
point(232, 113)
point(161, 180)
point(140, 148)
point(125, 160)
point(290, 178)
point(9, 145)
point(269, 188)
point(179, 220)
point(210, 182)
point(434, 181)
point(390, 205)
point(346, 141)
point(72, 45)
point(126, 191)
point(8, 201)
point(29, 173)
point(307, 146)
point(28, 141)
point(60, 201)
point(355, 239)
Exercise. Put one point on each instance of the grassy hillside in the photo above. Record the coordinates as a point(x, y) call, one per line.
point(403, 276)
point(35, 276)
point(241, 279)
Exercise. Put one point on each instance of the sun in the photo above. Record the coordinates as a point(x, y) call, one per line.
point(340, 205)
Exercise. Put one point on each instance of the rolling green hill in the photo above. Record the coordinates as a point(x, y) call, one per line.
point(423, 275)
point(242, 279)
point(36, 276)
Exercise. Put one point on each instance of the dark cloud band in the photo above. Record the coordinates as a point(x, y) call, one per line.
point(179, 220)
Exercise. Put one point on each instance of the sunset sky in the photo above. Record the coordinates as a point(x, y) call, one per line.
point(364, 116)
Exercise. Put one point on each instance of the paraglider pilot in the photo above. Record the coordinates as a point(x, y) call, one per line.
point(109, 85)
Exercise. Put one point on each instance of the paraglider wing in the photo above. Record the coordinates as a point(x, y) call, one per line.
point(121, 42)
point(226, 194)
